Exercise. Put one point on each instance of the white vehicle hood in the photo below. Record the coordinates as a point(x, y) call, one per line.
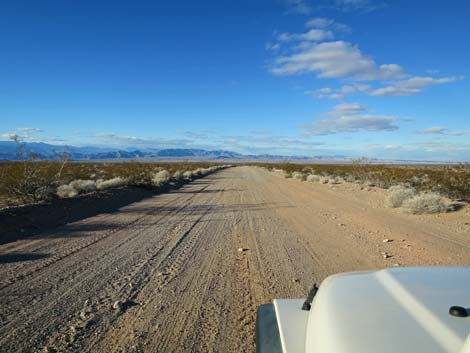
point(391, 311)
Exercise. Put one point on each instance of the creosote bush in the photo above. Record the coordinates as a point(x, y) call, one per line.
point(397, 194)
point(161, 178)
point(425, 203)
point(28, 181)
point(452, 181)
point(111, 183)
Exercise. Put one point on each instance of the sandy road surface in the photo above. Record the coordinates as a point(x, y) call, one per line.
point(173, 263)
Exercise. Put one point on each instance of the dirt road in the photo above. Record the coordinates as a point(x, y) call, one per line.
point(171, 266)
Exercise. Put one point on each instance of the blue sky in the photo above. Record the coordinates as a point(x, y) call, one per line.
point(386, 79)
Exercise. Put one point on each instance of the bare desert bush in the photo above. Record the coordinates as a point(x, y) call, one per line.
point(32, 180)
point(66, 191)
point(430, 202)
point(161, 178)
point(27, 181)
point(397, 194)
point(313, 178)
point(299, 176)
point(111, 183)
point(177, 176)
point(452, 181)
point(76, 187)
point(188, 175)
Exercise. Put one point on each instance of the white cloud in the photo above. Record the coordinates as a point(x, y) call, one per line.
point(261, 132)
point(29, 129)
point(319, 22)
point(406, 87)
point(438, 130)
point(300, 7)
point(353, 123)
point(412, 86)
point(346, 109)
point(314, 35)
point(339, 93)
point(193, 134)
point(350, 117)
point(336, 60)
point(323, 23)
point(273, 47)
point(432, 130)
point(9, 136)
point(358, 5)
point(314, 52)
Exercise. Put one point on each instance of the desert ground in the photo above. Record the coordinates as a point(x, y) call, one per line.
point(184, 271)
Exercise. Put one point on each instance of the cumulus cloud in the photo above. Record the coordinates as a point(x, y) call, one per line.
point(339, 93)
point(346, 109)
point(357, 5)
point(351, 117)
point(412, 86)
point(323, 23)
point(113, 139)
point(261, 132)
point(193, 134)
point(337, 59)
point(314, 35)
point(353, 123)
point(315, 52)
point(9, 136)
point(432, 130)
point(298, 7)
point(29, 129)
point(405, 87)
point(438, 130)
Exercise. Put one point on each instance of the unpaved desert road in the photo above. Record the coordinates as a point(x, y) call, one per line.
point(172, 262)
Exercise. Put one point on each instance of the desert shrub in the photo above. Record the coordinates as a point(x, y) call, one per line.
point(75, 188)
point(27, 180)
point(83, 186)
point(65, 191)
point(197, 172)
point(313, 178)
point(188, 175)
point(30, 179)
point(430, 202)
point(110, 183)
point(336, 180)
point(299, 176)
point(178, 175)
point(398, 194)
point(161, 178)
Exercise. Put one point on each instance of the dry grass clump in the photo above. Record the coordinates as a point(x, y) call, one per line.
point(111, 183)
point(452, 181)
point(410, 201)
point(177, 176)
point(75, 188)
point(430, 202)
point(299, 176)
point(313, 178)
point(31, 180)
point(66, 191)
point(161, 178)
point(397, 194)
point(188, 175)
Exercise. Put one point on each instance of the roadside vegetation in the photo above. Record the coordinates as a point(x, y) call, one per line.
point(32, 181)
point(415, 189)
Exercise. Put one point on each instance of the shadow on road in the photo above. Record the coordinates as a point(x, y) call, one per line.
point(11, 258)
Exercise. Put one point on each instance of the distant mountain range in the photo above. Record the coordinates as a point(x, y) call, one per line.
point(44, 151)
